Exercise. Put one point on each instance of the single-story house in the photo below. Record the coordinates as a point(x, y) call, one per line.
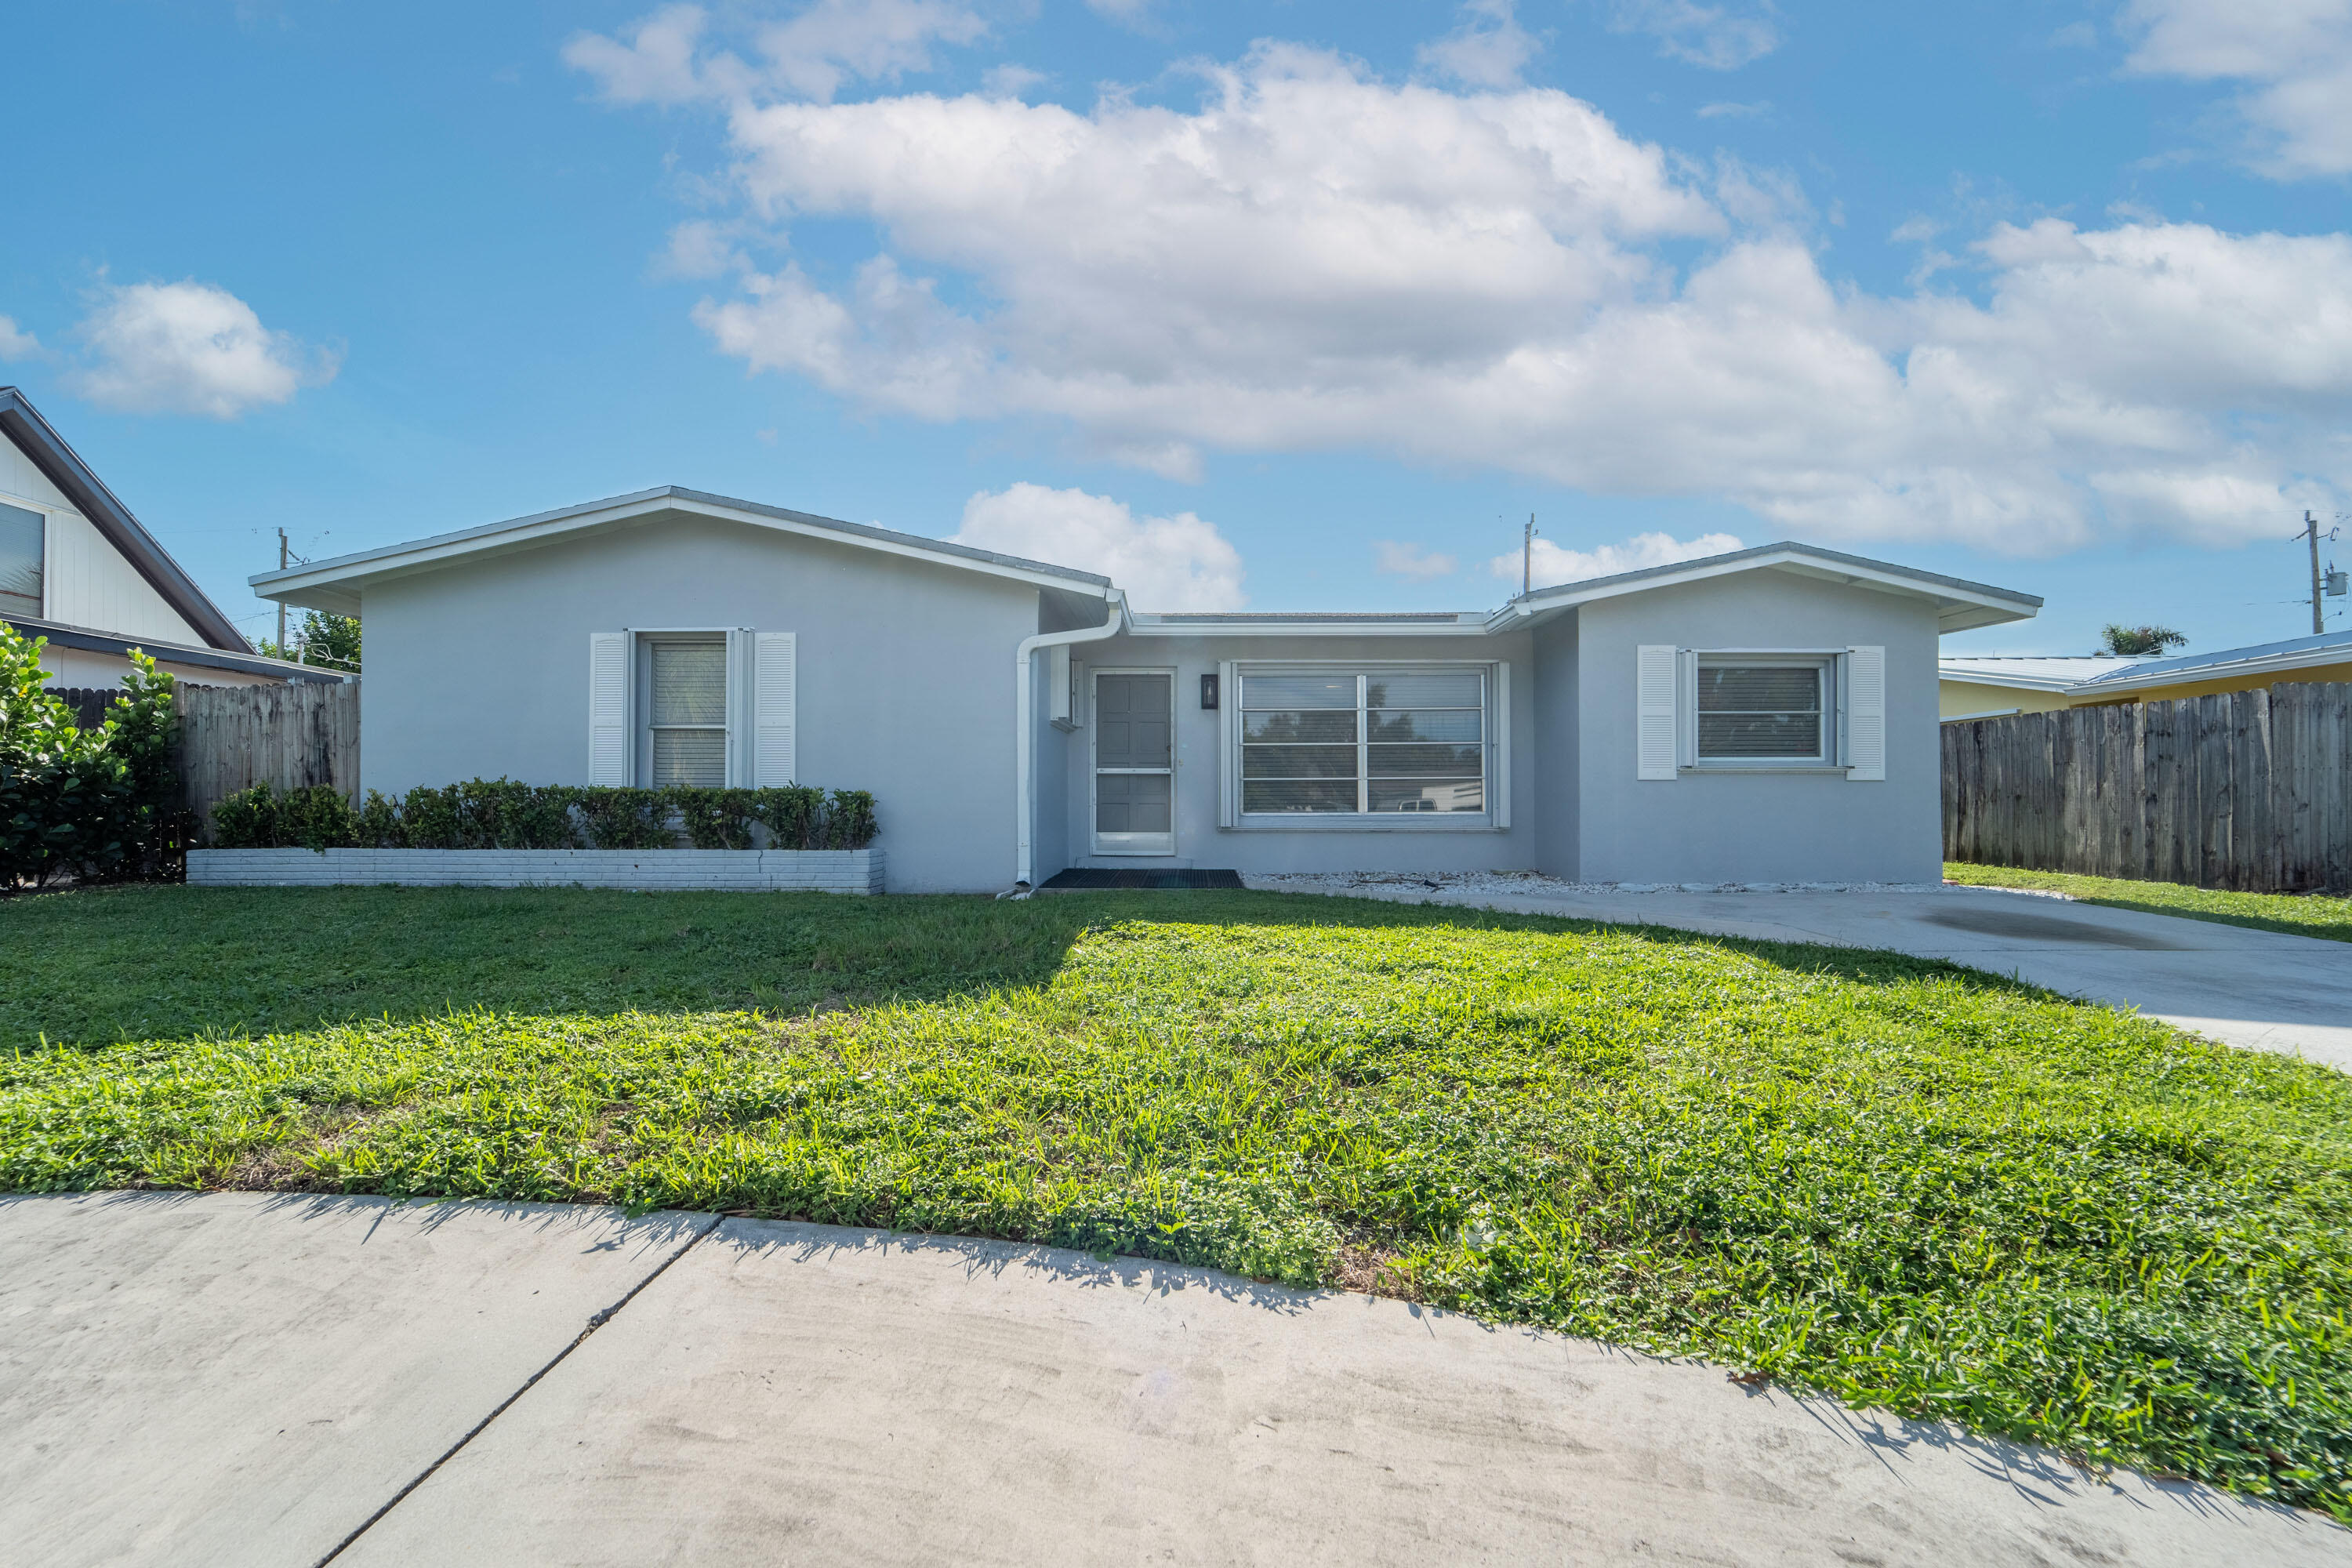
point(1765, 715)
point(77, 569)
point(1990, 687)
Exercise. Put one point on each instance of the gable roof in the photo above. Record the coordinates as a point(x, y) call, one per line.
point(22, 424)
point(335, 584)
point(1961, 603)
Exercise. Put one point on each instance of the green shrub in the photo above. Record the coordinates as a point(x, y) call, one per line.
point(318, 816)
point(499, 814)
point(85, 803)
point(380, 825)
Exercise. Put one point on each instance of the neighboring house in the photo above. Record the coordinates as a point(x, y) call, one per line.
point(1767, 715)
point(76, 568)
point(1990, 687)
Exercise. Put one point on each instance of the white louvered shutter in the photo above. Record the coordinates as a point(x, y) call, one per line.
point(1866, 713)
point(1657, 729)
point(775, 760)
point(608, 708)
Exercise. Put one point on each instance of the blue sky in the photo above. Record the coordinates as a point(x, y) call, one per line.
point(1287, 306)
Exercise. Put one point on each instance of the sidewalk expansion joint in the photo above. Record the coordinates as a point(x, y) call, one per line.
point(596, 1321)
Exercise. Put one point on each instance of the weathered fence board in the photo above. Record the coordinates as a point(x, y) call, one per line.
point(233, 737)
point(2251, 790)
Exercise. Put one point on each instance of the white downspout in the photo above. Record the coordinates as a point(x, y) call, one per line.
point(1023, 725)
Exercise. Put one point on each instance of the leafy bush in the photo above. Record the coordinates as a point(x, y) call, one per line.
point(501, 813)
point(85, 803)
point(318, 816)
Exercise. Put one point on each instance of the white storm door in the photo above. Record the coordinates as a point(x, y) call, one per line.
point(1134, 762)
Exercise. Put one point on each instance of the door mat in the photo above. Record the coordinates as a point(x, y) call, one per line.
point(1094, 878)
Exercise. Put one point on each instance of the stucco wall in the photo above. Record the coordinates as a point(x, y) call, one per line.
point(1758, 827)
point(1413, 843)
point(1558, 847)
point(905, 684)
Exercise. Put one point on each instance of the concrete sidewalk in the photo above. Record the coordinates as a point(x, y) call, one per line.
point(2263, 989)
point(242, 1379)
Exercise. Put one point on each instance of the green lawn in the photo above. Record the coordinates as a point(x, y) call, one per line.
point(1910, 1186)
point(2309, 914)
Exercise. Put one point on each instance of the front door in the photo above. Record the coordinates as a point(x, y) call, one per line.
point(1135, 761)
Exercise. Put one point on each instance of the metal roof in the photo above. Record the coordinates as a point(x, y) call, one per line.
point(316, 583)
point(2287, 653)
point(1961, 604)
point(90, 641)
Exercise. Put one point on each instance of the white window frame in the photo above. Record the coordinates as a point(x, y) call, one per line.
point(1830, 662)
point(1494, 745)
point(736, 641)
point(43, 544)
point(1129, 844)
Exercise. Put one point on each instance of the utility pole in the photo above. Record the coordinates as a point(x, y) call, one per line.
point(2311, 531)
point(1527, 557)
point(281, 603)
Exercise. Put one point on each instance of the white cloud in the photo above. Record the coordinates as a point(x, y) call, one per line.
point(1489, 49)
point(1734, 111)
point(670, 59)
point(16, 342)
point(2295, 57)
point(1009, 80)
point(1315, 259)
point(1128, 12)
point(190, 348)
point(700, 248)
point(1720, 38)
point(1176, 563)
point(1411, 560)
point(1551, 563)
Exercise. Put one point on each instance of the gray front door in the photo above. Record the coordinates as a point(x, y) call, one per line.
point(1135, 763)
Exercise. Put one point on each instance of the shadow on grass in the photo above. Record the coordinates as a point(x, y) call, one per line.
point(110, 964)
point(2326, 930)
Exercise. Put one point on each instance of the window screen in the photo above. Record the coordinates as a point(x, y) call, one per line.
point(20, 560)
point(688, 690)
point(1364, 742)
point(1750, 712)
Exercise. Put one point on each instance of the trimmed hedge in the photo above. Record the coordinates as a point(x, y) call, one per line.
point(499, 814)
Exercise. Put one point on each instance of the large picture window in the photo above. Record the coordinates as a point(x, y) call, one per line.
point(20, 560)
point(1755, 711)
point(1362, 742)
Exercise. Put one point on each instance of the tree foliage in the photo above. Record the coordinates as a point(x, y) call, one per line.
point(330, 642)
point(2139, 642)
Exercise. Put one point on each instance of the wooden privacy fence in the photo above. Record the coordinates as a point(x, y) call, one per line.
point(2250, 790)
point(291, 734)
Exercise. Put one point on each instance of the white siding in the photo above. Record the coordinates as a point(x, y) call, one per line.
point(21, 481)
point(87, 583)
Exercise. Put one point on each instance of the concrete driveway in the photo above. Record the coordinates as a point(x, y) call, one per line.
point(249, 1380)
point(2254, 988)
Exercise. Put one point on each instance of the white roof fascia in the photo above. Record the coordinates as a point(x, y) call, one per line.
point(1307, 625)
point(2221, 669)
point(1962, 606)
point(317, 583)
point(2020, 682)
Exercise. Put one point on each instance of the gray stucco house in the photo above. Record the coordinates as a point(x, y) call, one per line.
point(1767, 715)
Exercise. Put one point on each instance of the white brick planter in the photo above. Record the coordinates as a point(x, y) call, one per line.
point(743, 871)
